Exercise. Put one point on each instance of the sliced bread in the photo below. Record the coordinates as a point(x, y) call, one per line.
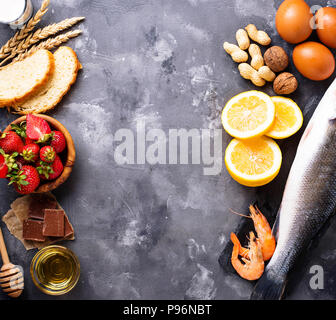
point(20, 80)
point(65, 74)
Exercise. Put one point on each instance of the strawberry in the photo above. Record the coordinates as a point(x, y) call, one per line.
point(58, 141)
point(11, 142)
point(26, 180)
point(57, 167)
point(37, 128)
point(44, 169)
point(30, 152)
point(10, 160)
point(29, 141)
point(50, 171)
point(47, 154)
point(3, 167)
point(20, 129)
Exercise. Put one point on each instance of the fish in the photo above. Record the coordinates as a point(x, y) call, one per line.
point(309, 198)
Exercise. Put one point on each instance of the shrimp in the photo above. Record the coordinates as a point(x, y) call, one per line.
point(264, 233)
point(254, 265)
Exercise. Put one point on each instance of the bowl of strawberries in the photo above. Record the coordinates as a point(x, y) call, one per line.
point(37, 154)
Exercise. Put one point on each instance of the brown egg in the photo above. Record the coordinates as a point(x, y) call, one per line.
point(292, 21)
point(314, 60)
point(326, 26)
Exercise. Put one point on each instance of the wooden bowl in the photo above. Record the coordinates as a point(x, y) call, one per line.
point(70, 158)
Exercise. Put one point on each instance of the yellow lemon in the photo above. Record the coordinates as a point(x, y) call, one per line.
point(248, 115)
point(254, 162)
point(288, 118)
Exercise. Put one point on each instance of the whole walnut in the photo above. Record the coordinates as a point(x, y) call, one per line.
point(276, 58)
point(285, 83)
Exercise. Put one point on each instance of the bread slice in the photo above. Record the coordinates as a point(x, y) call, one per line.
point(20, 80)
point(65, 74)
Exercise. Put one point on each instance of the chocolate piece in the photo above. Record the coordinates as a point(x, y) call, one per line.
point(53, 225)
point(68, 229)
point(32, 230)
point(38, 203)
point(15, 217)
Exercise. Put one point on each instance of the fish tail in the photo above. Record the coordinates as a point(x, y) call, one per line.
point(270, 286)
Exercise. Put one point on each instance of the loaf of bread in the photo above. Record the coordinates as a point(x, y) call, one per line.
point(65, 74)
point(22, 79)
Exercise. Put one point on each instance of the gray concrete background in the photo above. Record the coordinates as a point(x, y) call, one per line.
point(156, 232)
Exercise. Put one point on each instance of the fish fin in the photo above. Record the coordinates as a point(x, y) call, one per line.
point(269, 287)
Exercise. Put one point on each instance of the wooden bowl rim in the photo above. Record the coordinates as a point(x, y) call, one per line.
point(71, 152)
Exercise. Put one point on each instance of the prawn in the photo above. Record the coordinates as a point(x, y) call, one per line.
point(264, 233)
point(253, 267)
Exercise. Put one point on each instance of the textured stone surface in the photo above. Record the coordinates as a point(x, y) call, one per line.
point(156, 232)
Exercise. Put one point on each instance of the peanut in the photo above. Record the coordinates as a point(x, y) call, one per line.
point(266, 73)
point(257, 59)
point(258, 36)
point(237, 54)
point(247, 72)
point(242, 39)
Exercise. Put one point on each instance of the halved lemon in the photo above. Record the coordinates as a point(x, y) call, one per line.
point(248, 115)
point(254, 162)
point(288, 118)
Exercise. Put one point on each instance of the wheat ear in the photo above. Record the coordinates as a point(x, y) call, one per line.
point(41, 34)
point(49, 44)
point(24, 32)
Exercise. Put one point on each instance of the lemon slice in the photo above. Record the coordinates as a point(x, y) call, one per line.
point(254, 162)
point(288, 118)
point(248, 115)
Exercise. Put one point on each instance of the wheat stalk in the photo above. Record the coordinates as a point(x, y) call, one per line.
point(24, 32)
point(49, 44)
point(41, 34)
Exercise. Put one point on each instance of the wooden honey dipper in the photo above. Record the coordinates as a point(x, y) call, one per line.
point(11, 278)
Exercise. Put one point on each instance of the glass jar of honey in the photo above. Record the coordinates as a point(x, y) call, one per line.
point(55, 270)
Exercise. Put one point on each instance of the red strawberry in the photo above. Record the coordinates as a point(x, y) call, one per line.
point(11, 142)
point(44, 169)
point(30, 152)
point(58, 141)
point(50, 171)
point(3, 167)
point(47, 154)
point(10, 160)
point(57, 167)
point(26, 180)
point(29, 141)
point(20, 129)
point(37, 128)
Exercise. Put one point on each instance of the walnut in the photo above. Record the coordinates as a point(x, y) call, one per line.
point(285, 83)
point(276, 58)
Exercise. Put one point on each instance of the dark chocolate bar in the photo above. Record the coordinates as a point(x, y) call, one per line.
point(68, 229)
point(53, 225)
point(32, 230)
point(37, 205)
